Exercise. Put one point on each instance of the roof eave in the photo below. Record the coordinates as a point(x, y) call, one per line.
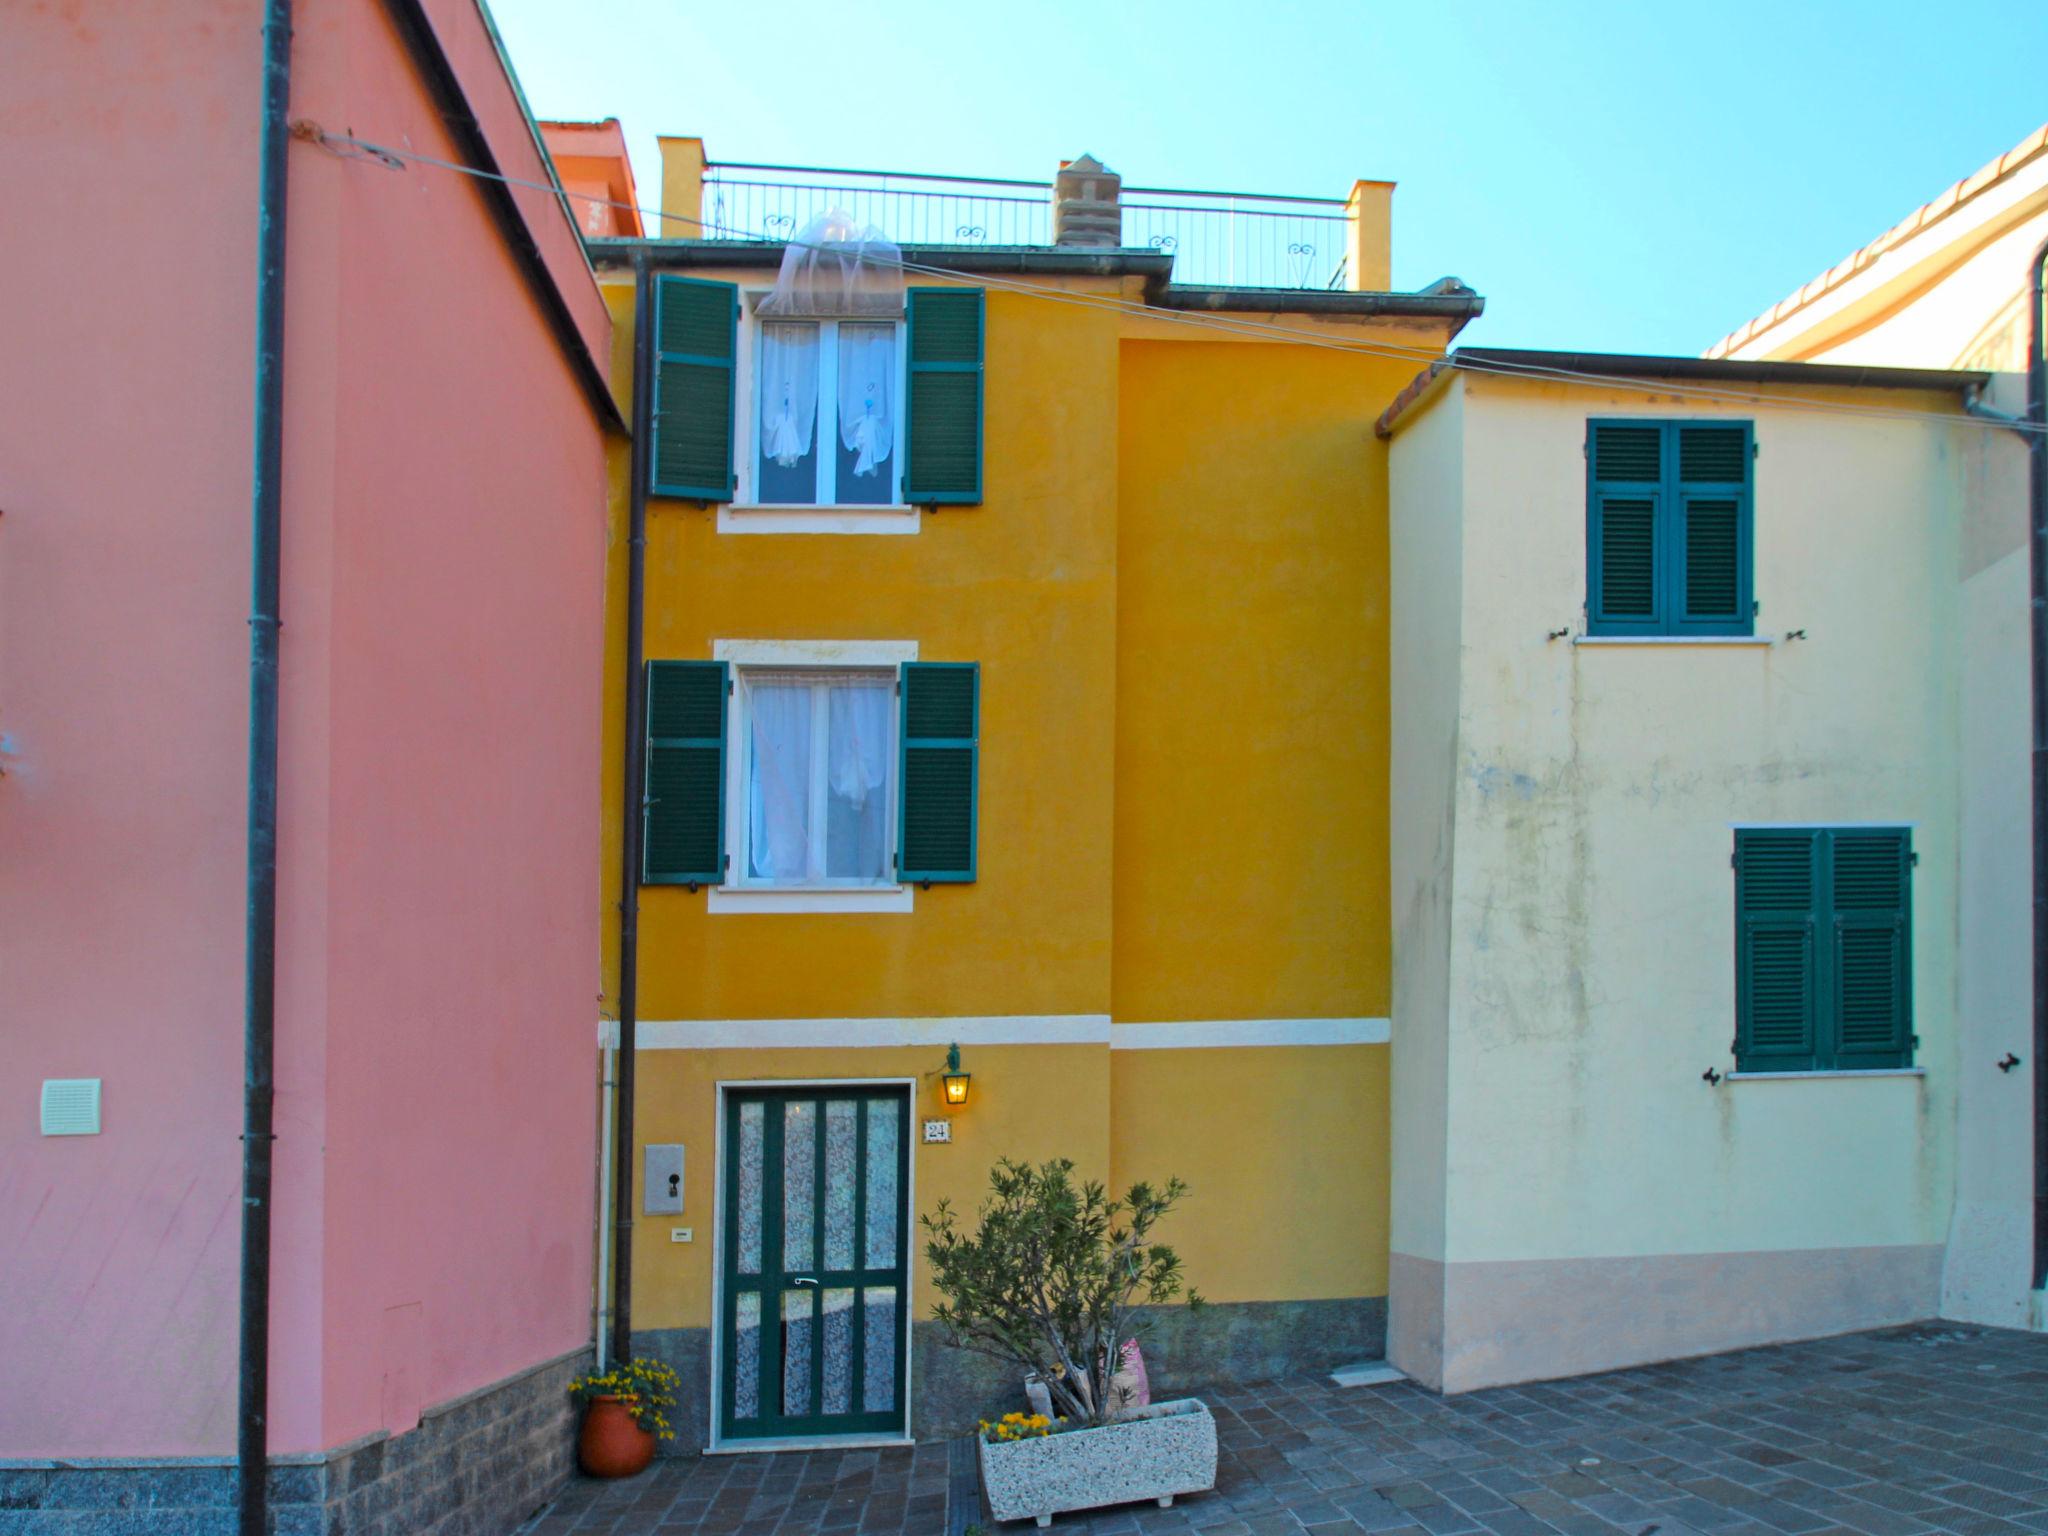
point(1722, 370)
point(1591, 367)
point(1457, 307)
point(1449, 302)
point(1156, 267)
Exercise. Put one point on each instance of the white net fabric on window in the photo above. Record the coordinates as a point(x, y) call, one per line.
point(789, 391)
point(821, 762)
point(838, 268)
point(861, 715)
point(779, 787)
point(867, 384)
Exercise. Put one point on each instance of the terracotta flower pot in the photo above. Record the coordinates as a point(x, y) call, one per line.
point(612, 1444)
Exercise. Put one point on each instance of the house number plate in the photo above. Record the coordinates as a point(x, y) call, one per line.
point(938, 1130)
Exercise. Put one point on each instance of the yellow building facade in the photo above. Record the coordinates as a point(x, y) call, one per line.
point(1160, 593)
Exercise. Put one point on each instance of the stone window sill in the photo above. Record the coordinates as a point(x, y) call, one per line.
point(828, 898)
point(755, 518)
point(1757, 642)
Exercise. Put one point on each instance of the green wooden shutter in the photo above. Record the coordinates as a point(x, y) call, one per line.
point(684, 840)
point(1625, 538)
point(1711, 539)
point(939, 773)
point(1777, 904)
point(1669, 528)
point(1871, 1009)
point(696, 337)
point(1823, 974)
point(942, 461)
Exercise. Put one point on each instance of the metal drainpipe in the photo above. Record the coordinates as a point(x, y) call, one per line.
point(2037, 537)
point(259, 1015)
point(632, 823)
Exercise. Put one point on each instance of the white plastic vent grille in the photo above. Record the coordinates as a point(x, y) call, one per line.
point(71, 1106)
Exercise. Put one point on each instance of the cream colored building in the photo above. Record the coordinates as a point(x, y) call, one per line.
point(1711, 885)
point(1947, 288)
point(1650, 614)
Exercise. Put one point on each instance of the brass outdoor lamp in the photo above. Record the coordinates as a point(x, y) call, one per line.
point(953, 1080)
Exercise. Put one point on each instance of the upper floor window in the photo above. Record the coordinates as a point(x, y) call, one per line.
point(826, 428)
point(1669, 527)
point(1823, 948)
point(812, 411)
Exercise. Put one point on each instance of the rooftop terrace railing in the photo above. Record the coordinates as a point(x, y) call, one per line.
point(1225, 239)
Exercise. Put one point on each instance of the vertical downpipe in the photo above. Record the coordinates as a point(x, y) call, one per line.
point(632, 817)
point(260, 948)
point(2037, 540)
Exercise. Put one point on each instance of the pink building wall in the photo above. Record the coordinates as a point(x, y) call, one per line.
point(444, 539)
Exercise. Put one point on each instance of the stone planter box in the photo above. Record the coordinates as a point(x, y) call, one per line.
point(1157, 1453)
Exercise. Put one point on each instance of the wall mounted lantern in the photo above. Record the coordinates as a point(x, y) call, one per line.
point(953, 1079)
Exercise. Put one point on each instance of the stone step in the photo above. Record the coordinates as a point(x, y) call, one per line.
point(1366, 1373)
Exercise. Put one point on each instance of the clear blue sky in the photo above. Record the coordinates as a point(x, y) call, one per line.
point(1611, 176)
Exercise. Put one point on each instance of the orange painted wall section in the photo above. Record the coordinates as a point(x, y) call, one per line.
point(443, 548)
point(1291, 1203)
point(1023, 584)
point(1251, 720)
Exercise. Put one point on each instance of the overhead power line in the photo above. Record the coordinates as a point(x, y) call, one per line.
point(348, 146)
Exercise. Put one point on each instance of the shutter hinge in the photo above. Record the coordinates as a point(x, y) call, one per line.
point(1914, 857)
point(1915, 1040)
point(725, 863)
point(730, 686)
point(1734, 861)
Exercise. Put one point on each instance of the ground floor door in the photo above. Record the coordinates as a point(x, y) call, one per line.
point(813, 1305)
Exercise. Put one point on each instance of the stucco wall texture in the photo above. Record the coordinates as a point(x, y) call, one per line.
point(443, 537)
point(1589, 943)
point(1176, 586)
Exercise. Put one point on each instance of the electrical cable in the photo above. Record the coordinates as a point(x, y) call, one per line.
point(348, 146)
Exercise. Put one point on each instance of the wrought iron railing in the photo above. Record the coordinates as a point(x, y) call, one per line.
point(1228, 239)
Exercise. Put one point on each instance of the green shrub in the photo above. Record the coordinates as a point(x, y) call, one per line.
point(1054, 1277)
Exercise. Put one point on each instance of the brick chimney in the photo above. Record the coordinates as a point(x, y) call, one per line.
point(1084, 204)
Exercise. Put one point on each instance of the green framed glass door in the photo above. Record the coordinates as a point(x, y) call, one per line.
point(813, 1302)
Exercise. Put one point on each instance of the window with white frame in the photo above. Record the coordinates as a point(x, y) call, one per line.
point(816, 777)
point(827, 431)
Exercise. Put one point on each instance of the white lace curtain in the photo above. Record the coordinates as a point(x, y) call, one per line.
point(867, 382)
point(791, 836)
point(789, 390)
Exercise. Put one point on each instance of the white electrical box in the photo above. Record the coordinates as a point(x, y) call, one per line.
point(938, 1130)
point(681, 1235)
point(664, 1188)
point(71, 1106)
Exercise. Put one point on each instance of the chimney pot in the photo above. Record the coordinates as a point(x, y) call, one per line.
point(1085, 211)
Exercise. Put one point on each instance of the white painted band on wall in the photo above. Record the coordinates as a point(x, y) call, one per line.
point(742, 1034)
point(1222, 1033)
point(1000, 1029)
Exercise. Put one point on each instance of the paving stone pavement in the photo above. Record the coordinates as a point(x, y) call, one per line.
point(1929, 1428)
